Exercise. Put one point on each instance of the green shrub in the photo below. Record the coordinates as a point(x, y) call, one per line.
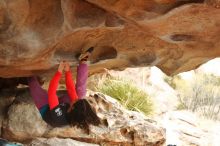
point(127, 94)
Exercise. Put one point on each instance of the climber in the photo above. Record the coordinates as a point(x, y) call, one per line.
point(72, 108)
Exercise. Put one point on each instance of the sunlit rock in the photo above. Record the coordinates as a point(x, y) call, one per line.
point(174, 35)
point(58, 142)
point(118, 125)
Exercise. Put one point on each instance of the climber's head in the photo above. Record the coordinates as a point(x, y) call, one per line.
point(82, 115)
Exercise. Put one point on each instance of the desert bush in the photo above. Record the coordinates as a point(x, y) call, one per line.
point(129, 95)
point(201, 95)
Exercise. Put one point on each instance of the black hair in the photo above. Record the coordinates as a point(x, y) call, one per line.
point(82, 115)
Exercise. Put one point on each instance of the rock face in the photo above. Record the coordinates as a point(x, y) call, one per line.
point(119, 126)
point(184, 128)
point(21, 124)
point(58, 142)
point(36, 34)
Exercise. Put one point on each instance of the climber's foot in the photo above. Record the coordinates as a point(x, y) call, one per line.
point(85, 56)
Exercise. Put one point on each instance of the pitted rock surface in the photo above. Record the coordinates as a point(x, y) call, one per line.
point(175, 35)
point(118, 125)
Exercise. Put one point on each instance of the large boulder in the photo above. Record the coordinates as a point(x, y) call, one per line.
point(23, 122)
point(175, 35)
point(57, 142)
point(118, 125)
point(184, 128)
point(5, 102)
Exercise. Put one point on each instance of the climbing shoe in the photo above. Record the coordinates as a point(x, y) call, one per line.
point(84, 56)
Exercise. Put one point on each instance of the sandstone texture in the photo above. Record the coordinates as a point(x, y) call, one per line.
point(57, 142)
point(184, 128)
point(118, 125)
point(174, 35)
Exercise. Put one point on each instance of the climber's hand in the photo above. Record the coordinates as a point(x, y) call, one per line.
point(61, 66)
point(67, 67)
